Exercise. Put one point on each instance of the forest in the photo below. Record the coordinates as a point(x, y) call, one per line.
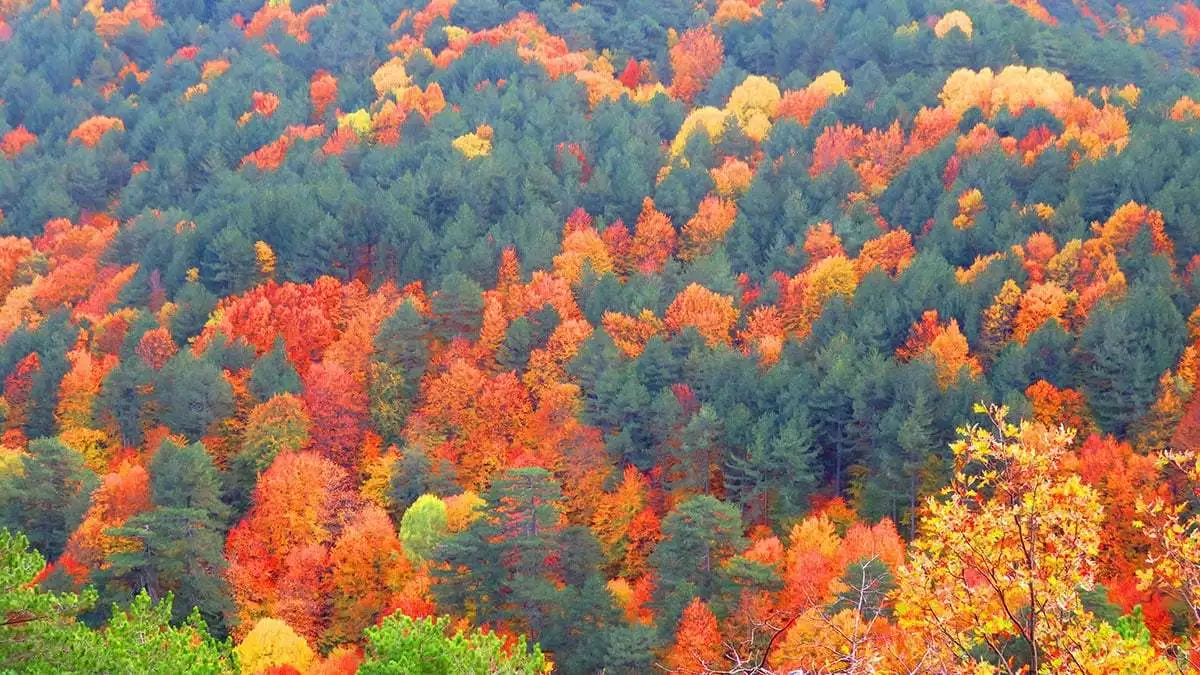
point(451, 337)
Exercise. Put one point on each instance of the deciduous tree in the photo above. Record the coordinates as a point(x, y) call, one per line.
point(998, 565)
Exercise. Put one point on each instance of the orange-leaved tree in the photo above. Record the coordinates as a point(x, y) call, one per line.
point(707, 228)
point(277, 553)
point(697, 648)
point(368, 573)
point(695, 60)
point(711, 314)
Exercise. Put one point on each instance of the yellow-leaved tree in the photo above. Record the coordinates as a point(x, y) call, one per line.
point(472, 145)
point(994, 578)
point(752, 103)
point(273, 643)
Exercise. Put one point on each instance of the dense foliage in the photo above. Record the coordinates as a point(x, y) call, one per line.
point(618, 335)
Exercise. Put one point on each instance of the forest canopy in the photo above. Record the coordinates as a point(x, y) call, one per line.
point(518, 336)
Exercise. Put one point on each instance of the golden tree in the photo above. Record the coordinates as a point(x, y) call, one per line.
point(1041, 303)
point(732, 178)
point(472, 145)
point(1173, 565)
point(709, 119)
point(630, 334)
point(272, 643)
point(752, 103)
point(579, 248)
point(711, 314)
point(390, 76)
point(995, 574)
point(970, 203)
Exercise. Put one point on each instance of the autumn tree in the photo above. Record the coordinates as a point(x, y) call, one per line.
point(998, 566)
point(1172, 565)
point(368, 570)
point(273, 643)
point(16, 141)
point(698, 647)
point(90, 131)
point(280, 424)
point(836, 144)
point(277, 570)
point(1041, 303)
point(820, 242)
point(626, 524)
point(653, 239)
point(810, 565)
point(472, 419)
point(707, 228)
point(752, 104)
point(732, 177)
point(712, 314)
point(953, 20)
point(1121, 478)
point(337, 405)
point(997, 321)
point(582, 248)
point(122, 494)
point(156, 347)
point(943, 346)
point(323, 92)
point(891, 252)
point(18, 388)
point(695, 59)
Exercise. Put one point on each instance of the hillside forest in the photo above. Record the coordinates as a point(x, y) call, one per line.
point(527, 336)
